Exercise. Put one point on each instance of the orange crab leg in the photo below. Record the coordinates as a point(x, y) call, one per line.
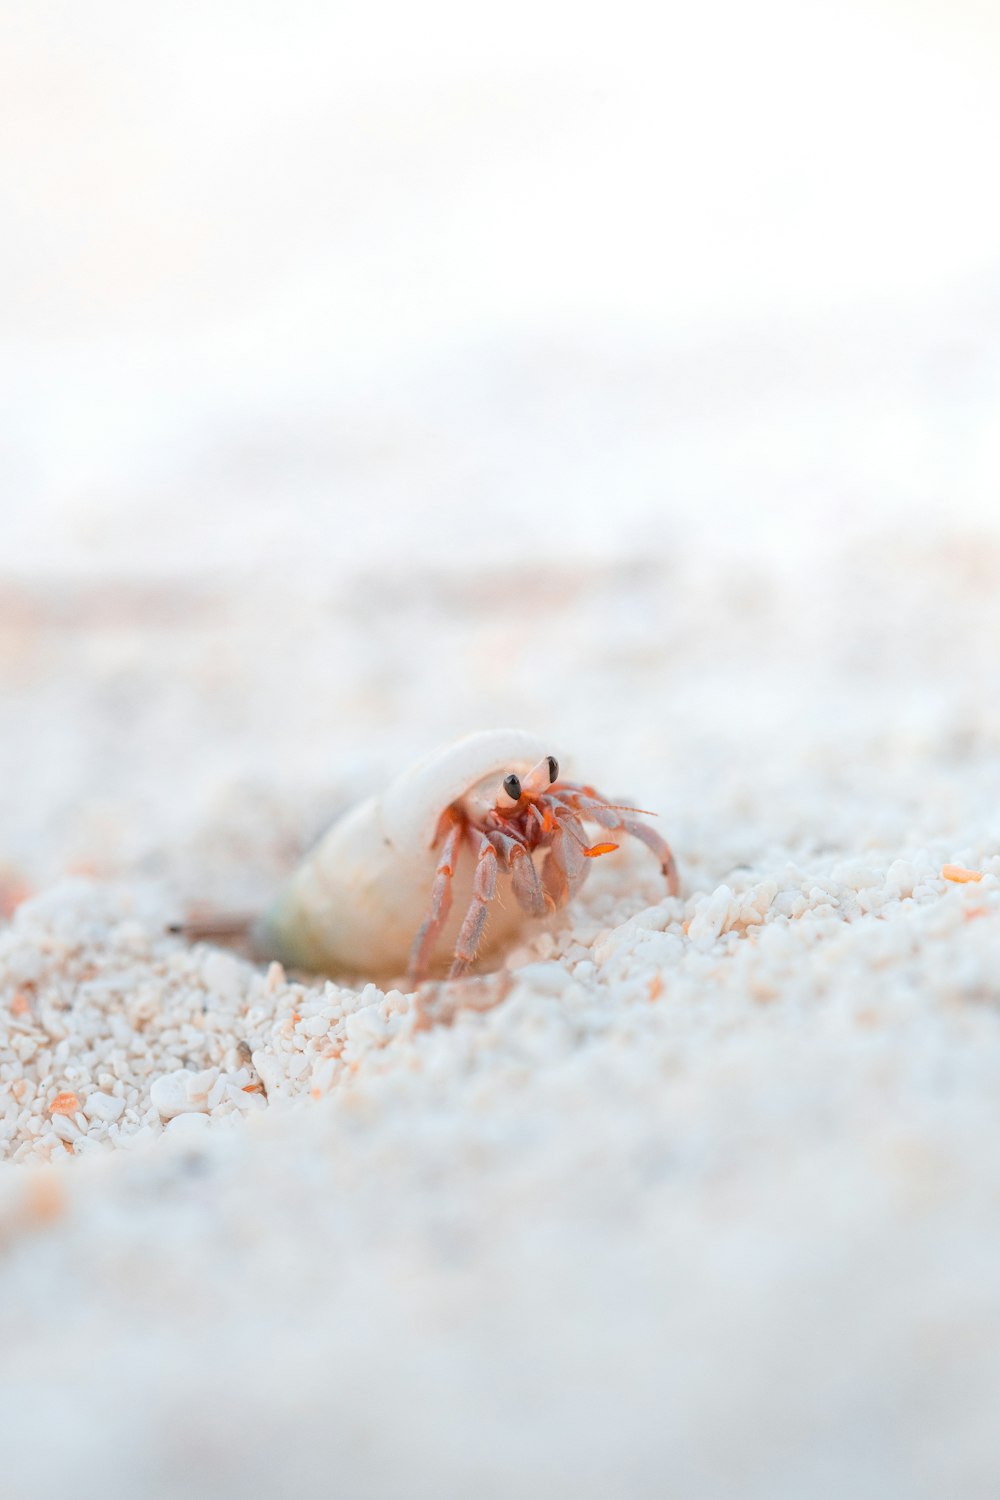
point(659, 847)
point(525, 881)
point(569, 825)
point(483, 890)
point(591, 807)
point(430, 931)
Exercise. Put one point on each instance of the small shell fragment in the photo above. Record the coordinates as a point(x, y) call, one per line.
point(178, 1093)
point(959, 874)
point(64, 1104)
point(104, 1107)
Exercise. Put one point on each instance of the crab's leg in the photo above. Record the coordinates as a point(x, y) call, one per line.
point(564, 862)
point(483, 890)
point(423, 943)
point(524, 878)
point(554, 877)
point(213, 929)
point(608, 816)
point(660, 848)
point(569, 823)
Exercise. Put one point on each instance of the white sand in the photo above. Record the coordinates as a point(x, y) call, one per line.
point(359, 391)
point(737, 1231)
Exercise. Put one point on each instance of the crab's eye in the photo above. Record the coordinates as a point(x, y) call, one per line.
point(512, 786)
point(553, 769)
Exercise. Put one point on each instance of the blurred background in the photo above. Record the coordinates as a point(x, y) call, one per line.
point(371, 374)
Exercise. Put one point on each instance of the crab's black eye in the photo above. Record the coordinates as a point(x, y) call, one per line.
point(512, 786)
point(553, 768)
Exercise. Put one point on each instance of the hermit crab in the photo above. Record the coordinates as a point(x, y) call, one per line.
point(412, 879)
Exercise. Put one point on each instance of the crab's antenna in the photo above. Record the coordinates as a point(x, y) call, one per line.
point(644, 812)
point(590, 799)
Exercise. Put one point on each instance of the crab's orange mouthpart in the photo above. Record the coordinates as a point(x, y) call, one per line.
point(596, 849)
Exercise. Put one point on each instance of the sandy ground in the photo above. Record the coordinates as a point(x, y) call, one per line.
point(706, 1203)
point(574, 390)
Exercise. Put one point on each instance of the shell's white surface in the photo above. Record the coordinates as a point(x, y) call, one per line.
point(357, 900)
point(413, 803)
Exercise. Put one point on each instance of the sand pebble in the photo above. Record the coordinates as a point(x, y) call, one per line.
point(172, 1094)
point(100, 1106)
point(184, 1125)
point(224, 975)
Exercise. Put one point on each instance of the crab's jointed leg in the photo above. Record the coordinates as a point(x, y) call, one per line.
point(590, 806)
point(524, 878)
point(423, 943)
point(660, 848)
point(564, 862)
point(483, 890)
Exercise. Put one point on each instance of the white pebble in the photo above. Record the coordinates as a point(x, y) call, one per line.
point(761, 896)
point(314, 1026)
point(200, 1085)
point(711, 918)
point(106, 1107)
point(170, 1096)
point(323, 1075)
point(270, 1071)
point(182, 1126)
point(217, 1092)
point(857, 876)
point(902, 877)
point(545, 978)
point(223, 975)
point(365, 1027)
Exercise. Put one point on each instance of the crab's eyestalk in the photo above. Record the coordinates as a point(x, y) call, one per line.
point(541, 777)
point(509, 794)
